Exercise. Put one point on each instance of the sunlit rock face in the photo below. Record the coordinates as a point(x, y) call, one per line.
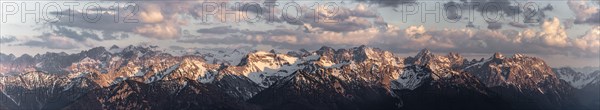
point(138, 77)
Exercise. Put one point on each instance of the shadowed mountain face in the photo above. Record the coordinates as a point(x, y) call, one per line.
point(359, 78)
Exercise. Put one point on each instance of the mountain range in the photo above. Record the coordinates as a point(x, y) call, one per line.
point(144, 77)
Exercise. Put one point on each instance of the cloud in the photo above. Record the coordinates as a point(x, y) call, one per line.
point(518, 25)
point(52, 41)
point(7, 39)
point(584, 12)
point(350, 24)
point(218, 30)
point(494, 25)
point(159, 31)
point(388, 3)
point(549, 39)
point(160, 20)
point(78, 36)
point(148, 21)
point(553, 34)
point(105, 23)
point(452, 10)
point(362, 10)
point(345, 20)
point(497, 12)
point(496, 6)
point(151, 14)
point(590, 41)
point(360, 24)
point(109, 35)
point(173, 47)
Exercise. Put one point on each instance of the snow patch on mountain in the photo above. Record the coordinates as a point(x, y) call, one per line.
point(575, 78)
point(411, 78)
point(160, 76)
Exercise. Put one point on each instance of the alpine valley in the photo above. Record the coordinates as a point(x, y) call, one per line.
point(359, 78)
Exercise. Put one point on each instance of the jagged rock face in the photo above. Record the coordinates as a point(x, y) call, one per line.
point(458, 92)
point(588, 85)
point(440, 66)
point(588, 95)
point(367, 81)
point(172, 94)
point(137, 77)
point(227, 57)
point(19, 64)
point(577, 79)
point(46, 90)
point(412, 77)
point(4, 62)
point(319, 89)
point(264, 68)
point(522, 76)
point(526, 72)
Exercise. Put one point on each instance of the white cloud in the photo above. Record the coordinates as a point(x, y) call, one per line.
point(549, 39)
point(553, 33)
point(159, 31)
point(590, 41)
point(584, 11)
point(151, 13)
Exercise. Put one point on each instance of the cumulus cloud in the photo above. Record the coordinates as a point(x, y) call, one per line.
point(351, 26)
point(159, 31)
point(584, 11)
point(151, 14)
point(590, 41)
point(345, 20)
point(553, 34)
point(497, 12)
point(161, 20)
point(549, 39)
point(149, 20)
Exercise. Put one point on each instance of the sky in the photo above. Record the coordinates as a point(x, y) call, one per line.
point(563, 33)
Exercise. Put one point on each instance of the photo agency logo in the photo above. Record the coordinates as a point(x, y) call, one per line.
point(269, 11)
point(68, 11)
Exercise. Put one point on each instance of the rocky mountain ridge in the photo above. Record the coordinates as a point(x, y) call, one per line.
point(138, 77)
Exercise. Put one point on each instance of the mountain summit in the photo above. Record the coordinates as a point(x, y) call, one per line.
point(139, 77)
